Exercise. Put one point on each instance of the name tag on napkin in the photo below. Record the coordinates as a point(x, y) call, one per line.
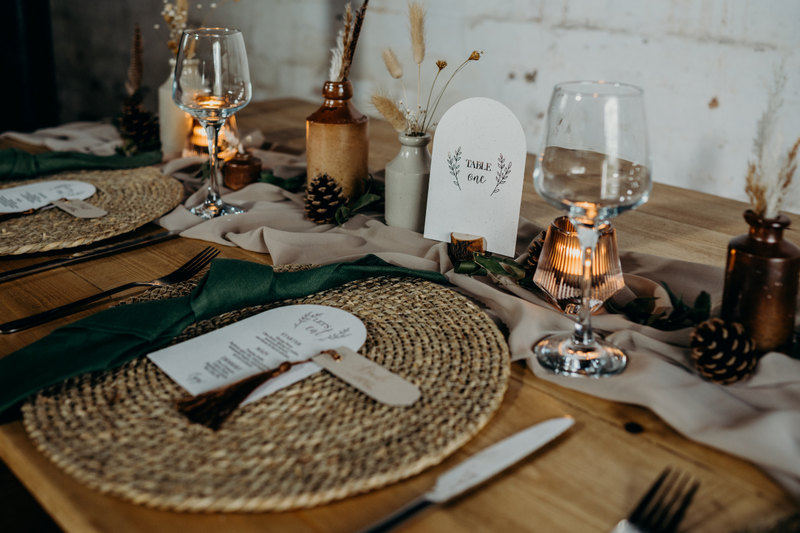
point(286, 334)
point(477, 171)
point(79, 208)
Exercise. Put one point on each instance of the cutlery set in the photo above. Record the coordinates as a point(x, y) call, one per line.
point(183, 273)
point(660, 510)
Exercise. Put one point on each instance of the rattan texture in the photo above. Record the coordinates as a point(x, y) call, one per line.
point(132, 198)
point(316, 441)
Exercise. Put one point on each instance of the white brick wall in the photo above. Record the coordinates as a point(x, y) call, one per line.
point(684, 53)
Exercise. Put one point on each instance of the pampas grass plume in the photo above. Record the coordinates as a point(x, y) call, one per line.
point(416, 20)
point(392, 63)
point(389, 110)
point(770, 175)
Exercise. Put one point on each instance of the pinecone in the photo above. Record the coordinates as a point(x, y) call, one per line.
point(138, 127)
point(323, 199)
point(723, 353)
point(534, 250)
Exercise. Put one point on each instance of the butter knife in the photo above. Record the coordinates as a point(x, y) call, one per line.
point(92, 254)
point(477, 469)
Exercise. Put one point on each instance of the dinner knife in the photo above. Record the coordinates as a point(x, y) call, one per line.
point(92, 254)
point(477, 469)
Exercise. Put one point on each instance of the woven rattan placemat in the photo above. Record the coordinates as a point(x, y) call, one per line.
point(132, 198)
point(316, 441)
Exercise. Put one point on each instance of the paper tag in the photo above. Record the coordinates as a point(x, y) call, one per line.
point(79, 208)
point(36, 195)
point(259, 343)
point(369, 377)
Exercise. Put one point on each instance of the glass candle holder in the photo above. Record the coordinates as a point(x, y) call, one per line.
point(558, 272)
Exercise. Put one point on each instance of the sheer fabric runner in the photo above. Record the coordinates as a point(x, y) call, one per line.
point(757, 420)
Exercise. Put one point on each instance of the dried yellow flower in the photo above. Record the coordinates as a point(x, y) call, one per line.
point(441, 64)
point(475, 55)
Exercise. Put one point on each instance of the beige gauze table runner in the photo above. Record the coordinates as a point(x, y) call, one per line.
point(758, 419)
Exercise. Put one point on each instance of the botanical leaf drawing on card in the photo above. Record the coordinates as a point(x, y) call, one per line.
point(452, 162)
point(502, 173)
point(334, 336)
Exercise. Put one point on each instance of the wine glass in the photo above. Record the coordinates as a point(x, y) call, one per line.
point(594, 165)
point(213, 85)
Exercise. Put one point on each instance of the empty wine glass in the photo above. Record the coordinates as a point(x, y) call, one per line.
point(214, 84)
point(594, 165)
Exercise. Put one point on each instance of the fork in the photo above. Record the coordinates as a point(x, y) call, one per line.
point(185, 272)
point(662, 508)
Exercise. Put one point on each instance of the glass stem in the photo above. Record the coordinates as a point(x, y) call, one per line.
point(212, 132)
point(587, 237)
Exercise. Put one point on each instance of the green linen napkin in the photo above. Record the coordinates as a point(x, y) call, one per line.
point(18, 164)
point(112, 337)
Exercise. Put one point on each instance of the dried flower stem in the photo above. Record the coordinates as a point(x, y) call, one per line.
point(389, 110)
point(418, 120)
point(416, 23)
point(770, 175)
point(473, 57)
point(136, 68)
point(350, 50)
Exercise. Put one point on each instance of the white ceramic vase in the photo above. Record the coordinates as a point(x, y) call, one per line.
point(174, 123)
point(407, 177)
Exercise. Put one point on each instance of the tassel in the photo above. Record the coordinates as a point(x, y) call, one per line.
point(212, 408)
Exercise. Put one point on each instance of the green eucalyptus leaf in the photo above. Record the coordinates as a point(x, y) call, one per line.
point(702, 307)
point(342, 215)
point(491, 264)
point(512, 267)
point(470, 268)
point(295, 184)
point(363, 201)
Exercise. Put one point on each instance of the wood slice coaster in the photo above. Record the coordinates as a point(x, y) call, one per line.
point(313, 442)
point(132, 197)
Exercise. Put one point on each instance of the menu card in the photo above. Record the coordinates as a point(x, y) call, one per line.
point(477, 171)
point(36, 195)
point(259, 343)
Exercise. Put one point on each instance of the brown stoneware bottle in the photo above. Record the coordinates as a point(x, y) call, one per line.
point(337, 139)
point(761, 282)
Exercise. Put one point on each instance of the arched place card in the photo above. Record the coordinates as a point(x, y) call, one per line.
point(477, 171)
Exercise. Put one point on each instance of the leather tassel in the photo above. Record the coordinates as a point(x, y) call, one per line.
point(212, 408)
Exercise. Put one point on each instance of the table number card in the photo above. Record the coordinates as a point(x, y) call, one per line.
point(477, 171)
point(259, 343)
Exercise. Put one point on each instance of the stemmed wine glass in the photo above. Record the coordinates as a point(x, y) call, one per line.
point(595, 164)
point(212, 82)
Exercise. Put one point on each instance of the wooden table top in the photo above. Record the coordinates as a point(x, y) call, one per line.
point(585, 482)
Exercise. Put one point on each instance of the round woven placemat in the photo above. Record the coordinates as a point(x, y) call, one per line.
point(313, 442)
point(132, 198)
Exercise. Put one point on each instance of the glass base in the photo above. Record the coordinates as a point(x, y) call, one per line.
point(208, 210)
point(560, 354)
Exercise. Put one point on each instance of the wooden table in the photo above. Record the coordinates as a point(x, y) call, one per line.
point(584, 482)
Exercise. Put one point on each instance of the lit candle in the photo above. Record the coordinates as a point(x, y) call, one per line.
point(559, 269)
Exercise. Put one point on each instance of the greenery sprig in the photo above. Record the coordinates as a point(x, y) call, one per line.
point(682, 315)
point(368, 198)
point(637, 310)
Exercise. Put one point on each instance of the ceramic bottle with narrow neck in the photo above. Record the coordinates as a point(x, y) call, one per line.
point(337, 140)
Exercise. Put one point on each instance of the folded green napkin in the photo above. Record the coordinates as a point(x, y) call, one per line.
point(18, 164)
point(112, 337)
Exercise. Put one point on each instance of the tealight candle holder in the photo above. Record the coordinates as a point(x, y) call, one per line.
point(227, 141)
point(558, 272)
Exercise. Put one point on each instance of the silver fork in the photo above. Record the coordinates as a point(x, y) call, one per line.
point(185, 272)
point(662, 508)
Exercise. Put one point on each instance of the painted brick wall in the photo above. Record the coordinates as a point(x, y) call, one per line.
point(705, 65)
